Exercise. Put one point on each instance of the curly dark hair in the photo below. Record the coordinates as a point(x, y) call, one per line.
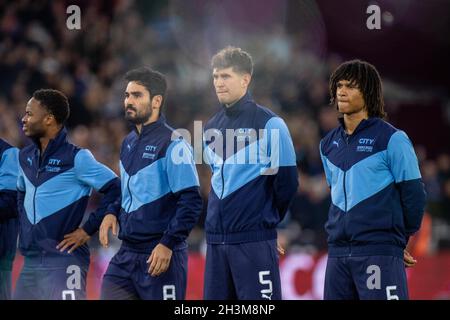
point(368, 80)
point(55, 102)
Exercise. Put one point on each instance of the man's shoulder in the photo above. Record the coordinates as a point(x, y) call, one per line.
point(211, 122)
point(265, 111)
point(382, 131)
point(4, 146)
point(131, 136)
point(29, 148)
point(68, 149)
point(382, 124)
point(330, 136)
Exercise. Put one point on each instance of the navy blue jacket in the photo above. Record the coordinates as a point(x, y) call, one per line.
point(53, 192)
point(8, 204)
point(377, 194)
point(253, 179)
point(161, 202)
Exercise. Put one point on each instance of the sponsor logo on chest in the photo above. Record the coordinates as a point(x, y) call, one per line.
point(54, 165)
point(150, 152)
point(365, 145)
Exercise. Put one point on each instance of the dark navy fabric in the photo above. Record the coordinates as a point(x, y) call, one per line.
point(160, 203)
point(9, 224)
point(127, 277)
point(8, 181)
point(246, 271)
point(160, 188)
point(365, 278)
point(254, 173)
point(8, 204)
point(5, 284)
point(50, 277)
point(53, 192)
point(377, 194)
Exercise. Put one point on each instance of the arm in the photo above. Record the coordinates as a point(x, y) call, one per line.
point(8, 205)
point(184, 184)
point(325, 166)
point(282, 161)
point(102, 179)
point(405, 169)
point(110, 222)
point(20, 187)
point(8, 184)
point(111, 195)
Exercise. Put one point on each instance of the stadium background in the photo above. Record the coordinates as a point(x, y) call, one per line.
point(296, 45)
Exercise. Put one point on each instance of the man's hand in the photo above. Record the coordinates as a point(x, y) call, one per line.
point(280, 249)
point(159, 260)
point(109, 221)
point(74, 239)
point(408, 259)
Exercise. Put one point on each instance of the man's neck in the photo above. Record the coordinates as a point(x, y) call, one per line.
point(352, 120)
point(45, 140)
point(234, 102)
point(153, 118)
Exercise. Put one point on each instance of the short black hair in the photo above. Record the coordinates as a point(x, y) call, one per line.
point(240, 60)
point(366, 76)
point(154, 81)
point(55, 102)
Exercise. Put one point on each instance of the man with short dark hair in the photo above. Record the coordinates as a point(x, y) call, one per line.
point(160, 203)
point(254, 178)
point(54, 183)
point(377, 194)
point(8, 216)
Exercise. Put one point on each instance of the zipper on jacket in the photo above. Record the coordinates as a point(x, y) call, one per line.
point(345, 174)
point(40, 160)
point(34, 203)
point(133, 151)
point(221, 203)
point(345, 190)
point(345, 193)
point(131, 196)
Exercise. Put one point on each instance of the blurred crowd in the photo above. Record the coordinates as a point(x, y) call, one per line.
point(37, 50)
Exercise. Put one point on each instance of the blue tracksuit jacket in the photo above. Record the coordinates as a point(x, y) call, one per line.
point(8, 203)
point(53, 192)
point(253, 179)
point(377, 194)
point(160, 201)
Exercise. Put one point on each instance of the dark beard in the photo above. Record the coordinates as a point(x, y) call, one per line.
point(137, 119)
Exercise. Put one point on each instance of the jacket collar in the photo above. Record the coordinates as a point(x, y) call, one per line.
point(151, 126)
point(55, 143)
point(238, 107)
point(361, 126)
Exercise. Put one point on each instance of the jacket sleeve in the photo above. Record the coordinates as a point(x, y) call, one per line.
point(325, 165)
point(102, 179)
point(404, 166)
point(8, 184)
point(114, 207)
point(282, 161)
point(20, 187)
point(184, 184)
